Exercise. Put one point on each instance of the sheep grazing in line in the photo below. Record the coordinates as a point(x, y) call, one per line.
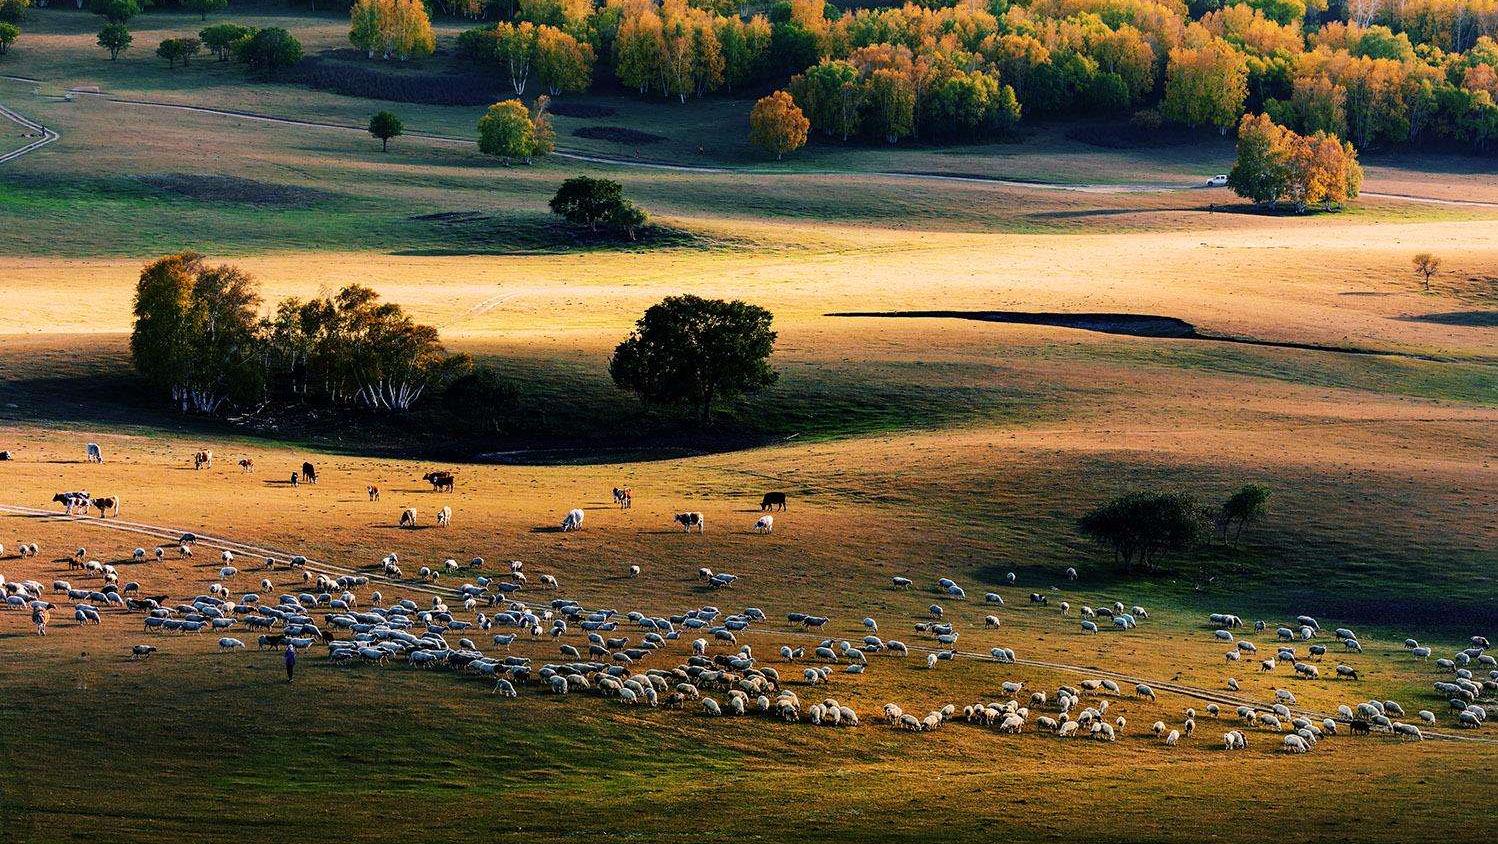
point(1145, 691)
point(444, 517)
point(139, 652)
point(1173, 738)
point(139, 555)
point(898, 582)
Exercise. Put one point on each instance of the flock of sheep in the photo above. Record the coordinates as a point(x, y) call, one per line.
point(622, 656)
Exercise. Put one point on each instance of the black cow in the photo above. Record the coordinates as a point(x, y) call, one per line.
point(772, 501)
point(309, 473)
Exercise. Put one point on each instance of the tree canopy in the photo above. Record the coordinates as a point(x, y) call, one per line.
point(1141, 526)
point(115, 38)
point(777, 125)
point(385, 125)
point(1247, 505)
point(590, 202)
point(693, 351)
point(510, 131)
point(1275, 164)
point(269, 50)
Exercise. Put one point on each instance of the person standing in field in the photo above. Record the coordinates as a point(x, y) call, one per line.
point(290, 662)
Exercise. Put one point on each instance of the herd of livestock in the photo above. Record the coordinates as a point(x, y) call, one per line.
point(472, 627)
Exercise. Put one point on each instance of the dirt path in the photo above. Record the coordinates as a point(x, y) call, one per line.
point(173, 535)
point(48, 136)
point(594, 158)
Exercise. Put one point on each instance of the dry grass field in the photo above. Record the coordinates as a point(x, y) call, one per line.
point(917, 447)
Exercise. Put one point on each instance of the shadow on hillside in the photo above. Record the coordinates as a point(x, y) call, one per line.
point(1468, 319)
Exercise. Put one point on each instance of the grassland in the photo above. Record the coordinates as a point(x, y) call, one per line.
point(922, 448)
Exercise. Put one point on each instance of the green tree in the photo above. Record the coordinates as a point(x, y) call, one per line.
point(269, 50)
point(1262, 170)
point(13, 11)
point(205, 7)
point(482, 399)
point(507, 131)
point(1141, 526)
point(9, 32)
point(196, 333)
point(115, 38)
point(178, 49)
point(694, 351)
point(115, 11)
point(590, 202)
point(1426, 265)
point(1247, 505)
point(221, 37)
point(385, 126)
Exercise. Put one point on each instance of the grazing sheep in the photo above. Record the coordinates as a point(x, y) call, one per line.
point(898, 582)
point(444, 517)
point(1144, 691)
point(1172, 738)
point(633, 571)
point(573, 520)
point(765, 524)
point(408, 517)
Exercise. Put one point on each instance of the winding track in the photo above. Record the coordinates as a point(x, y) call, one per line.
point(612, 161)
point(223, 544)
point(48, 136)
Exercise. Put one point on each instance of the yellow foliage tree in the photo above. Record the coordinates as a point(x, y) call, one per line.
point(777, 125)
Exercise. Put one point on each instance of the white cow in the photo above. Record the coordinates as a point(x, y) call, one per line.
point(573, 520)
point(766, 524)
point(95, 454)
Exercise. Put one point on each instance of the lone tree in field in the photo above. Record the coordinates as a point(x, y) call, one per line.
point(591, 202)
point(385, 126)
point(510, 131)
point(1141, 526)
point(9, 32)
point(1245, 506)
point(1426, 266)
point(222, 36)
point(115, 38)
point(269, 50)
point(694, 351)
point(777, 125)
point(205, 7)
point(196, 334)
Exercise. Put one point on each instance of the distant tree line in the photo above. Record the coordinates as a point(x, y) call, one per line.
point(1142, 527)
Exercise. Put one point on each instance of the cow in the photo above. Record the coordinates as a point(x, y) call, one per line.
point(6, 455)
point(246, 464)
point(689, 521)
point(766, 524)
point(772, 501)
point(70, 500)
point(95, 454)
point(572, 521)
point(444, 517)
point(107, 504)
point(309, 473)
point(408, 517)
point(202, 460)
point(374, 493)
point(624, 497)
point(440, 481)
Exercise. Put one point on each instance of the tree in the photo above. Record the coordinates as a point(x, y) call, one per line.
point(115, 11)
point(1205, 86)
point(508, 131)
point(515, 46)
point(777, 125)
point(590, 202)
point(1140, 526)
point(196, 333)
point(204, 7)
point(221, 37)
point(385, 126)
point(269, 50)
point(563, 64)
point(178, 49)
point(13, 11)
point(695, 351)
point(481, 399)
point(9, 32)
point(1426, 265)
point(115, 38)
point(1262, 171)
point(1246, 505)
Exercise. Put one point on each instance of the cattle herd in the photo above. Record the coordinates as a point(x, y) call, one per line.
point(374, 614)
